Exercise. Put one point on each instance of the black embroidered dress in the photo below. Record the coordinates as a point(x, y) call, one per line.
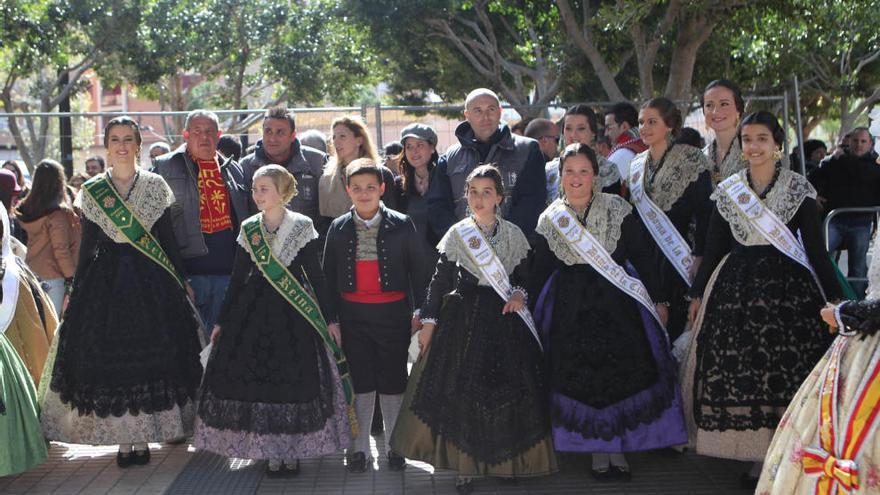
point(475, 403)
point(612, 378)
point(271, 389)
point(125, 361)
point(758, 334)
point(680, 185)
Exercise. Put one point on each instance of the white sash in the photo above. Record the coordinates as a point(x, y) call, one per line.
point(673, 245)
point(590, 250)
point(766, 222)
point(10, 277)
point(482, 254)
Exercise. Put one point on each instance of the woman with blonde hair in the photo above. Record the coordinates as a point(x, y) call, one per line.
point(351, 140)
point(271, 388)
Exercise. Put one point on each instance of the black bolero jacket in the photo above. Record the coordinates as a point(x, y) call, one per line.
point(404, 259)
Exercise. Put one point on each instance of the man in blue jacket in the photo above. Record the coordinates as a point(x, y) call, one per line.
point(482, 139)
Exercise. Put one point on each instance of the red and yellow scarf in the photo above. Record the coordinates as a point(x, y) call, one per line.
point(213, 198)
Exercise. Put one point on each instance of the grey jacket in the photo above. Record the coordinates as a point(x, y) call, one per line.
point(306, 164)
point(181, 174)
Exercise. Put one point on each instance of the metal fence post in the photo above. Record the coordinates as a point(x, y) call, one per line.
point(800, 126)
point(785, 122)
point(379, 141)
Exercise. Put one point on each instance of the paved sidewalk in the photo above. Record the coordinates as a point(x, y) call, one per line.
point(178, 469)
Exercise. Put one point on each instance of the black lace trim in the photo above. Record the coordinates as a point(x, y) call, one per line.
point(759, 340)
point(481, 387)
point(128, 343)
point(264, 418)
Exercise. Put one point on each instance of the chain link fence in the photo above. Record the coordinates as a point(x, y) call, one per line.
point(385, 122)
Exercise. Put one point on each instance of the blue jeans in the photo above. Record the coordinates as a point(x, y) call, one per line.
point(209, 291)
point(54, 288)
point(854, 234)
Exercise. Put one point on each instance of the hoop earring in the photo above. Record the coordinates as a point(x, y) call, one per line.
point(777, 155)
point(742, 155)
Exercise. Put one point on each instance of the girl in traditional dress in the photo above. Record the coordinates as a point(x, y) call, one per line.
point(670, 186)
point(612, 378)
point(756, 336)
point(124, 368)
point(33, 326)
point(475, 402)
point(20, 433)
point(723, 107)
point(581, 125)
point(271, 389)
point(843, 428)
point(849, 376)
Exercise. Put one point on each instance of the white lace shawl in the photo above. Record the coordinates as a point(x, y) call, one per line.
point(783, 200)
point(682, 166)
point(148, 201)
point(604, 221)
point(296, 230)
point(732, 163)
point(509, 244)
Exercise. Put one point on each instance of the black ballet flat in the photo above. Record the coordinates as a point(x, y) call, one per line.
point(464, 487)
point(140, 457)
point(274, 473)
point(291, 470)
point(396, 462)
point(124, 460)
point(603, 474)
point(357, 462)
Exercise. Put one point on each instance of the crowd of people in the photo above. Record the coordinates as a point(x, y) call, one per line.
point(572, 289)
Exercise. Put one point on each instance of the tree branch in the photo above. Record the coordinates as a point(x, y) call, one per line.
point(582, 38)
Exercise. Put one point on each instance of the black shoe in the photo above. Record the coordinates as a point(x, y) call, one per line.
point(176, 441)
point(620, 473)
point(396, 462)
point(508, 481)
point(291, 470)
point(747, 482)
point(274, 471)
point(357, 462)
point(140, 457)
point(464, 485)
point(602, 474)
point(124, 460)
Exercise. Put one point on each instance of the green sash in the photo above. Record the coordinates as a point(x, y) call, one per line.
point(109, 201)
point(295, 294)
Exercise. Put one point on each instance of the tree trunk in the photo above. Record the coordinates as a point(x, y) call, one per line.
point(692, 33)
point(582, 38)
point(811, 126)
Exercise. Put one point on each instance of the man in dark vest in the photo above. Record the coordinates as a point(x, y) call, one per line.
point(210, 202)
point(483, 139)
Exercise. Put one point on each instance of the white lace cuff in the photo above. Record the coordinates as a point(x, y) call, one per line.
point(522, 291)
point(432, 321)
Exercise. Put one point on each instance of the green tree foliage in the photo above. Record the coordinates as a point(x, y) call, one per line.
point(41, 42)
point(448, 47)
